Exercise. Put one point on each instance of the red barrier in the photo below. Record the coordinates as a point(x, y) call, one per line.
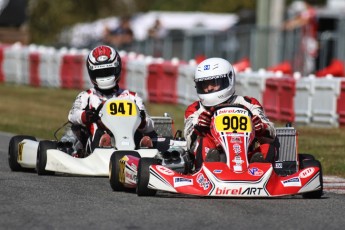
point(335, 68)
point(285, 67)
point(123, 83)
point(241, 65)
point(71, 73)
point(154, 81)
point(341, 104)
point(169, 83)
point(34, 74)
point(2, 75)
point(278, 99)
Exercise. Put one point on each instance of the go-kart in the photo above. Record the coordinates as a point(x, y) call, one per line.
point(234, 176)
point(120, 116)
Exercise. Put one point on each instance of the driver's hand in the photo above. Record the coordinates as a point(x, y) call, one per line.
point(89, 116)
point(204, 119)
point(259, 126)
point(143, 119)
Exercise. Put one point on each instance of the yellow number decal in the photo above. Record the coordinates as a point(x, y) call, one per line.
point(122, 108)
point(233, 122)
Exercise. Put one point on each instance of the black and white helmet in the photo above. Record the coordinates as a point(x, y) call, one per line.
point(104, 67)
point(217, 72)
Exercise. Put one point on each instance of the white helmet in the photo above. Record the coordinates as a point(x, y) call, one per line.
point(220, 74)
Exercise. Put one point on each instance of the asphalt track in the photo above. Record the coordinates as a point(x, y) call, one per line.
point(29, 201)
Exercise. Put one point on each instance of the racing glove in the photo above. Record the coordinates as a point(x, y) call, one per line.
point(259, 126)
point(89, 116)
point(143, 119)
point(204, 122)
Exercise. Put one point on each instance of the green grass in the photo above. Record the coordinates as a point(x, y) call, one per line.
point(40, 111)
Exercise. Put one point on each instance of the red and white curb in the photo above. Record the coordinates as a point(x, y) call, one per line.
point(334, 184)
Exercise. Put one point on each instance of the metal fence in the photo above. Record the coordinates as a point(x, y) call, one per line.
point(263, 46)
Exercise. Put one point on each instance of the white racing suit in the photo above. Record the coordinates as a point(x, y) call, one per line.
point(92, 98)
point(199, 144)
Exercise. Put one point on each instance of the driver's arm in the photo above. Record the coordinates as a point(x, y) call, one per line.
point(78, 107)
point(268, 134)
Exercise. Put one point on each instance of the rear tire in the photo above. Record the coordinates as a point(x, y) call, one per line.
point(144, 176)
point(313, 163)
point(305, 156)
point(13, 151)
point(115, 170)
point(41, 162)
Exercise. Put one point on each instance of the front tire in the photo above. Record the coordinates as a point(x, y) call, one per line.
point(144, 176)
point(116, 170)
point(41, 162)
point(13, 149)
point(313, 163)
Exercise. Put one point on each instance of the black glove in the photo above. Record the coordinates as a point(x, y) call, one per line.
point(143, 119)
point(90, 116)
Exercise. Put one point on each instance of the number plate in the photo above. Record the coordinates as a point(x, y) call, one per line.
point(122, 108)
point(233, 122)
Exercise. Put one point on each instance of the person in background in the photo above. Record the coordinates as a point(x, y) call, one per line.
point(121, 37)
point(215, 85)
point(302, 17)
point(104, 68)
point(157, 31)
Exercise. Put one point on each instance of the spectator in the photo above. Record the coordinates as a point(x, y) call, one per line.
point(157, 31)
point(302, 16)
point(121, 37)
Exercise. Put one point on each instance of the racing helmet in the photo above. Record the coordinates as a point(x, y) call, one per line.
point(104, 67)
point(214, 81)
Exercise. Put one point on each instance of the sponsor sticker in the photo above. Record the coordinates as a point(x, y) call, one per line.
point(292, 182)
point(217, 171)
point(180, 181)
point(255, 171)
point(307, 173)
point(165, 170)
point(206, 67)
point(202, 181)
point(237, 148)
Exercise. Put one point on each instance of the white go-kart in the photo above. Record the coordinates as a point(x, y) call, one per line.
point(120, 116)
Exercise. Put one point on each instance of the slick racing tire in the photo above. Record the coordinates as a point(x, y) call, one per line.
point(305, 156)
point(41, 161)
point(13, 149)
point(117, 169)
point(143, 177)
point(313, 163)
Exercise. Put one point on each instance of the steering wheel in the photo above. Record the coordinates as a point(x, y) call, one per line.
point(220, 106)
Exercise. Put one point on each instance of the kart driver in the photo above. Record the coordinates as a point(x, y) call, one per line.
point(215, 85)
point(104, 68)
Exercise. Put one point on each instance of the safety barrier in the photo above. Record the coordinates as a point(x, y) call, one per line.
point(341, 103)
point(324, 102)
point(252, 84)
point(278, 98)
point(136, 76)
point(186, 92)
point(303, 100)
point(34, 75)
point(315, 101)
point(72, 71)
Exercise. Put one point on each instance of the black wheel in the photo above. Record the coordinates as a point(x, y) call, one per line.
point(318, 193)
point(41, 162)
point(143, 177)
point(116, 169)
point(305, 156)
point(13, 149)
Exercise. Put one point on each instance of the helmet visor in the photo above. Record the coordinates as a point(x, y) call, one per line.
point(212, 84)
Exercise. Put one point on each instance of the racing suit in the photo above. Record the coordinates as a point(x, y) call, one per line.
point(92, 98)
point(199, 142)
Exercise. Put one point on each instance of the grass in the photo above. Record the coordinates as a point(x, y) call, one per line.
point(40, 111)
